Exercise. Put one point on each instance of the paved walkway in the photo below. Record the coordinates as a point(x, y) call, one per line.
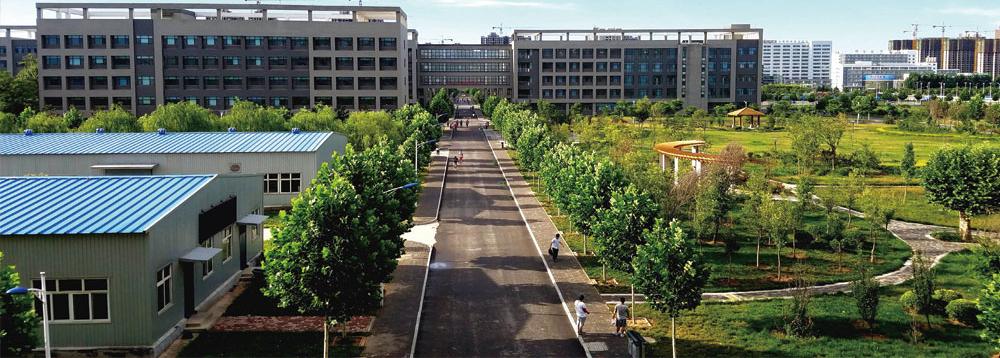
point(488, 293)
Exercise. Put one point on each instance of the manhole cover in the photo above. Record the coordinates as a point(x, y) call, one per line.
point(596, 346)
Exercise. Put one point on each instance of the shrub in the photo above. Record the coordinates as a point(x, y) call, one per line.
point(963, 310)
point(946, 235)
point(942, 297)
point(908, 299)
point(800, 324)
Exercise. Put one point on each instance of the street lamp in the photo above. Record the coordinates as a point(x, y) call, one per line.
point(415, 160)
point(410, 185)
point(41, 294)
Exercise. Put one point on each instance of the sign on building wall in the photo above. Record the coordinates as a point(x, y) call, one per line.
point(879, 77)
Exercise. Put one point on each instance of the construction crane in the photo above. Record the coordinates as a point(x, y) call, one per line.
point(916, 27)
point(943, 27)
point(499, 28)
point(911, 32)
point(442, 40)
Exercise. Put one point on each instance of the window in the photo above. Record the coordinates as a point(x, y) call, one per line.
point(74, 61)
point(324, 82)
point(210, 61)
point(118, 62)
point(366, 43)
point(207, 266)
point(211, 101)
point(146, 101)
point(232, 81)
point(232, 41)
point(190, 61)
point(345, 63)
point(227, 247)
point(277, 61)
point(255, 82)
point(75, 82)
point(190, 41)
point(75, 300)
point(254, 61)
point(169, 40)
point(144, 39)
point(300, 63)
point(144, 60)
point(343, 43)
point(282, 183)
point(322, 43)
point(210, 40)
point(171, 81)
point(387, 83)
point(366, 63)
point(191, 81)
point(300, 82)
point(300, 42)
point(74, 41)
point(50, 41)
point(255, 41)
point(144, 81)
point(97, 41)
point(344, 83)
point(230, 61)
point(98, 62)
point(211, 81)
point(52, 82)
point(121, 82)
point(387, 63)
point(387, 43)
point(276, 41)
point(163, 288)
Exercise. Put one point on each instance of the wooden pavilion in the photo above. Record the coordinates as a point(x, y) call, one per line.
point(746, 112)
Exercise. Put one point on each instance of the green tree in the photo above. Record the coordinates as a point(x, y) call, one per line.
point(17, 334)
point(180, 117)
point(712, 203)
point(670, 272)
point(20, 92)
point(923, 285)
point(989, 307)
point(865, 290)
point(8, 123)
point(755, 206)
point(699, 119)
point(852, 188)
point(732, 248)
point(865, 104)
point(114, 120)
point(365, 129)
point(780, 222)
point(247, 116)
point(321, 118)
point(47, 123)
point(622, 108)
point(441, 104)
point(343, 237)
point(965, 180)
point(576, 111)
point(489, 105)
point(73, 117)
point(723, 110)
point(619, 229)
point(907, 167)
point(661, 109)
point(642, 110)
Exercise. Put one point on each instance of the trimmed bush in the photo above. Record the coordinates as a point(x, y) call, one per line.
point(908, 299)
point(942, 297)
point(963, 310)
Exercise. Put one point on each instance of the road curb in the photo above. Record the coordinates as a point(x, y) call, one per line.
point(423, 291)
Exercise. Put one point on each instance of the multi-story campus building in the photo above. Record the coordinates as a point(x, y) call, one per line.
point(886, 69)
point(967, 54)
point(494, 39)
point(597, 68)
point(15, 43)
point(798, 62)
point(143, 55)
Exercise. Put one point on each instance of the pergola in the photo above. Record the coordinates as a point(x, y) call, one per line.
point(746, 112)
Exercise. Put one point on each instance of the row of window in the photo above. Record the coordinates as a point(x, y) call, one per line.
point(93, 62)
point(219, 102)
point(581, 53)
point(91, 41)
point(81, 82)
point(469, 54)
point(464, 67)
point(216, 82)
point(463, 80)
point(18, 49)
point(279, 62)
point(281, 42)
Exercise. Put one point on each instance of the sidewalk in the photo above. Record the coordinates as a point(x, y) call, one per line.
point(392, 330)
point(572, 280)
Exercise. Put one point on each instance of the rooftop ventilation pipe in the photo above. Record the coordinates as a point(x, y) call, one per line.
point(161, 131)
point(28, 132)
point(232, 129)
point(100, 130)
point(295, 131)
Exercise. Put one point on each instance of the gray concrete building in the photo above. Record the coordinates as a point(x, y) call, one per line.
point(15, 43)
point(127, 259)
point(141, 55)
point(287, 161)
point(488, 68)
point(702, 67)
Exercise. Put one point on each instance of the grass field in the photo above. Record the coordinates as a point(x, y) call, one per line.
point(755, 328)
point(819, 264)
point(917, 208)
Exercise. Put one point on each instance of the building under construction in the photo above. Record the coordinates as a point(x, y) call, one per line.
point(967, 54)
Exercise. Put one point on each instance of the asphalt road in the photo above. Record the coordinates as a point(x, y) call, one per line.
point(488, 293)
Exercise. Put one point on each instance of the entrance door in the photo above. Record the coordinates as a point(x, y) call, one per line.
point(243, 246)
point(188, 272)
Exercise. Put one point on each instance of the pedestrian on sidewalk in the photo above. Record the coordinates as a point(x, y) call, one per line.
point(621, 318)
point(554, 249)
point(456, 162)
point(581, 314)
point(461, 157)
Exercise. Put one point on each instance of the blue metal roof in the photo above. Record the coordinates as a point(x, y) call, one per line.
point(155, 143)
point(91, 205)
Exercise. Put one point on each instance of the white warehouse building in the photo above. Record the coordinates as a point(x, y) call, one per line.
point(288, 161)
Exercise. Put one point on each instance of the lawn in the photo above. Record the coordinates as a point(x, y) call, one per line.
point(755, 328)
point(818, 265)
point(263, 344)
point(917, 208)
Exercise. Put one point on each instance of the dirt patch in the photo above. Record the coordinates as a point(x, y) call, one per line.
point(784, 279)
point(762, 266)
point(349, 341)
point(710, 243)
point(640, 322)
point(860, 324)
point(834, 268)
point(875, 337)
point(727, 282)
point(797, 256)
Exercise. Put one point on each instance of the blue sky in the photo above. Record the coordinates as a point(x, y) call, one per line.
point(850, 24)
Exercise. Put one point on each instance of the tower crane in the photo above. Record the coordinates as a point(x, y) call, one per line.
point(442, 40)
point(499, 28)
point(911, 32)
point(943, 27)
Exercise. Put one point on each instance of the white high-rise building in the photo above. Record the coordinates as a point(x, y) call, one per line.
point(881, 69)
point(798, 62)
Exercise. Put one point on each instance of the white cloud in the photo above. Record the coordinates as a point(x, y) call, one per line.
point(502, 3)
point(971, 11)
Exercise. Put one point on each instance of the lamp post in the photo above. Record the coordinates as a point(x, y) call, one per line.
point(41, 294)
point(410, 185)
point(415, 159)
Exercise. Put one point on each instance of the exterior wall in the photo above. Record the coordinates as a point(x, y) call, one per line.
point(691, 59)
point(174, 20)
point(798, 62)
point(120, 258)
point(15, 43)
point(440, 67)
point(250, 163)
point(177, 233)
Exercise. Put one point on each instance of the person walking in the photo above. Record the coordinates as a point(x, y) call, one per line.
point(581, 314)
point(456, 162)
point(461, 157)
point(621, 318)
point(554, 249)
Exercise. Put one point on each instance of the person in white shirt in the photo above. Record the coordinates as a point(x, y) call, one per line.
point(581, 314)
point(621, 318)
point(554, 249)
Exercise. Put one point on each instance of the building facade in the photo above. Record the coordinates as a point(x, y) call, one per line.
point(972, 53)
point(129, 258)
point(143, 55)
point(15, 43)
point(596, 68)
point(287, 161)
point(860, 70)
point(798, 62)
point(488, 68)
point(494, 39)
